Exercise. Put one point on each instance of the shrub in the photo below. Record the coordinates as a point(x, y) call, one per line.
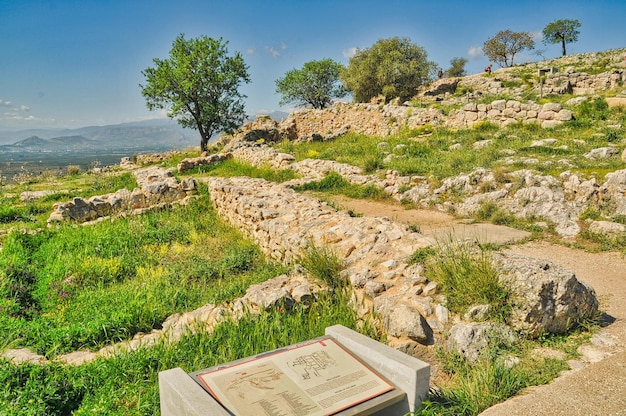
point(490, 211)
point(421, 255)
point(372, 163)
point(73, 170)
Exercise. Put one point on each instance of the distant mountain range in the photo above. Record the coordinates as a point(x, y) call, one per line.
point(151, 135)
point(147, 135)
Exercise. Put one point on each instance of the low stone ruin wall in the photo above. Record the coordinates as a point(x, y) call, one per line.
point(375, 253)
point(158, 186)
point(503, 113)
point(383, 120)
point(558, 200)
point(580, 83)
point(375, 250)
point(371, 119)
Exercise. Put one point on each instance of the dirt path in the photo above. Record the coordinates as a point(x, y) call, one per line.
point(435, 224)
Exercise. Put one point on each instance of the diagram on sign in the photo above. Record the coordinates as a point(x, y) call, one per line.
point(311, 364)
point(263, 379)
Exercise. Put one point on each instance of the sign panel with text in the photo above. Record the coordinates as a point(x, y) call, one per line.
point(316, 378)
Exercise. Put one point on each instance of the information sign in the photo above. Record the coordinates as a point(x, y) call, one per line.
point(315, 378)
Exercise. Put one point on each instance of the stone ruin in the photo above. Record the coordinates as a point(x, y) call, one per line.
point(158, 187)
point(375, 253)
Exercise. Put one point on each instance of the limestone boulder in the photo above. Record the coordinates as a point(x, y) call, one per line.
point(547, 297)
point(547, 202)
point(191, 163)
point(281, 291)
point(402, 320)
point(471, 339)
point(607, 228)
point(613, 191)
point(602, 153)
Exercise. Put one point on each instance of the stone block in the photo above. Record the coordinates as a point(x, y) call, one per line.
point(180, 395)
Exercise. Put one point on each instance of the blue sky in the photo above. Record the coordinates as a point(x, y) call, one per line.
point(76, 63)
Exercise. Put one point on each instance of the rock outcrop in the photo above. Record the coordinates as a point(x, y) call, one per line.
point(525, 194)
point(548, 297)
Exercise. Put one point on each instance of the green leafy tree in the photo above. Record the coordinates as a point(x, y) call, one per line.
point(394, 68)
point(317, 84)
point(561, 31)
point(198, 85)
point(457, 68)
point(503, 47)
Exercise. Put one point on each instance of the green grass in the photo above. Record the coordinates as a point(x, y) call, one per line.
point(70, 288)
point(232, 168)
point(468, 277)
point(334, 184)
point(425, 151)
point(325, 266)
point(31, 215)
point(127, 383)
point(475, 387)
point(490, 211)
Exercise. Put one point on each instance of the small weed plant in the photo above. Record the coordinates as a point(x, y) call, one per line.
point(468, 277)
point(324, 265)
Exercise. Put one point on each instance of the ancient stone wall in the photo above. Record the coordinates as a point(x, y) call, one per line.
point(505, 112)
point(383, 120)
point(580, 83)
point(375, 252)
point(158, 186)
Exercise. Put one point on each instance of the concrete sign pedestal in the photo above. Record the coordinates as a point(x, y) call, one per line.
point(181, 395)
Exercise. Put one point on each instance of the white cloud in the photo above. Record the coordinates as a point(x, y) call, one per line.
point(18, 116)
point(475, 52)
point(16, 113)
point(283, 46)
point(250, 51)
point(275, 53)
point(537, 36)
point(350, 52)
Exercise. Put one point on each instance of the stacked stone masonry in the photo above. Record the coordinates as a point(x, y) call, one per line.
point(385, 119)
point(375, 252)
point(505, 112)
point(157, 187)
point(558, 200)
